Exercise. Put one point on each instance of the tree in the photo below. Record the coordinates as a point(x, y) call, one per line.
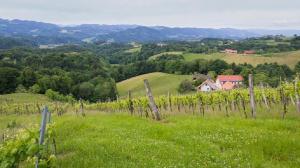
point(86, 90)
point(261, 77)
point(27, 77)
point(212, 74)
point(218, 66)
point(8, 79)
point(228, 72)
point(186, 86)
point(35, 89)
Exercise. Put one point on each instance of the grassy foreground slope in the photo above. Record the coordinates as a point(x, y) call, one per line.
point(288, 58)
point(115, 140)
point(161, 83)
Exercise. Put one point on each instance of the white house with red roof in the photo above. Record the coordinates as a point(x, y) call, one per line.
point(207, 86)
point(228, 82)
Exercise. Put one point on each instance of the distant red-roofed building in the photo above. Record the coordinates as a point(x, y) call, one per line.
point(228, 82)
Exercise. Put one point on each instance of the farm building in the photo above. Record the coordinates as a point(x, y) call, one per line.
point(207, 86)
point(230, 51)
point(228, 82)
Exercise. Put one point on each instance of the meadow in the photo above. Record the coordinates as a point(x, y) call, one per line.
point(119, 140)
point(161, 83)
point(288, 58)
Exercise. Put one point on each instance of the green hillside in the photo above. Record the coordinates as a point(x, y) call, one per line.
point(161, 83)
point(288, 58)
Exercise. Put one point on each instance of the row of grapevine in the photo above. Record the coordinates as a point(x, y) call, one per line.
point(33, 108)
point(225, 101)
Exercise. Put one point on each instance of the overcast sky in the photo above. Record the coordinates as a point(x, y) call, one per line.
point(275, 14)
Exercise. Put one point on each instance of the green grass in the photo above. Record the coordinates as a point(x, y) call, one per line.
point(161, 83)
point(115, 140)
point(288, 58)
point(23, 98)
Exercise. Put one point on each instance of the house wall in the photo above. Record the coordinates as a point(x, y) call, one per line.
point(218, 83)
point(205, 88)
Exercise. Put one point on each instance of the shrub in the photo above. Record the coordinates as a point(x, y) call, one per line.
point(58, 97)
point(21, 89)
point(186, 86)
point(35, 88)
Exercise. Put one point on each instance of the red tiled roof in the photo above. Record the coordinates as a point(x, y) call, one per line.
point(228, 86)
point(223, 78)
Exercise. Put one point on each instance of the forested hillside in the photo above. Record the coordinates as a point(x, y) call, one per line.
point(90, 70)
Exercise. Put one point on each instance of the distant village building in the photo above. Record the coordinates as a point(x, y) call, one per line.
point(230, 51)
point(207, 86)
point(161, 44)
point(249, 52)
point(228, 82)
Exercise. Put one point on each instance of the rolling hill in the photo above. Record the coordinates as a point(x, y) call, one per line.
point(161, 83)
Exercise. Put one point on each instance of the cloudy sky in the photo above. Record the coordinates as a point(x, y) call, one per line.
point(273, 14)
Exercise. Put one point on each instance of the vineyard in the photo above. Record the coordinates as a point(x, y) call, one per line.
point(19, 145)
point(236, 102)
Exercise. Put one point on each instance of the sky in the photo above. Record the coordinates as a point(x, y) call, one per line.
point(267, 14)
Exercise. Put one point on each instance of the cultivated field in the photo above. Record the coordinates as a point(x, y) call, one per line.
point(161, 83)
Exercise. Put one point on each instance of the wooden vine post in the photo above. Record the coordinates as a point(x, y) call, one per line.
point(252, 98)
point(131, 109)
point(81, 108)
point(264, 95)
point(284, 102)
point(42, 130)
point(297, 95)
point(151, 101)
point(170, 102)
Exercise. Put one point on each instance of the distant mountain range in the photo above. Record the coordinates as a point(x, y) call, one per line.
point(46, 33)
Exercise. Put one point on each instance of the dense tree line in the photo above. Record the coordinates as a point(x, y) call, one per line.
point(81, 74)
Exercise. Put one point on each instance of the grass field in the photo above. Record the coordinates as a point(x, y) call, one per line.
point(23, 98)
point(288, 58)
point(115, 140)
point(161, 83)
